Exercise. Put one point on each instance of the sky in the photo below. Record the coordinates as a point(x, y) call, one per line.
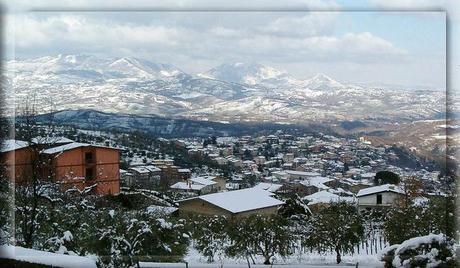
point(387, 45)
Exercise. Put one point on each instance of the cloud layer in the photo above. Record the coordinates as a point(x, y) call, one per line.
point(303, 43)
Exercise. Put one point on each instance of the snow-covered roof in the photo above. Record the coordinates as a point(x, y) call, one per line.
point(51, 140)
point(45, 258)
point(326, 197)
point(64, 147)
point(241, 200)
point(379, 189)
point(202, 181)
point(70, 146)
point(140, 169)
point(187, 186)
point(151, 168)
point(11, 145)
point(279, 173)
point(302, 173)
point(317, 182)
point(267, 186)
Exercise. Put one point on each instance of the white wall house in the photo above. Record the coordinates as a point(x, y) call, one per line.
point(199, 185)
point(301, 175)
point(379, 196)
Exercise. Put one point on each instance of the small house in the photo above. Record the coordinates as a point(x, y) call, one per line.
point(238, 203)
point(379, 196)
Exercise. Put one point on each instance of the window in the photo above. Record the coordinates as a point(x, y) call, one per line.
point(379, 199)
point(89, 174)
point(88, 157)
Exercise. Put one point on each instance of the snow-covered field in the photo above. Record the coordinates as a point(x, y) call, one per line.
point(195, 259)
point(46, 258)
point(191, 265)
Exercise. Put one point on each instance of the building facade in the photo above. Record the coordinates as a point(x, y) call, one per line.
point(73, 164)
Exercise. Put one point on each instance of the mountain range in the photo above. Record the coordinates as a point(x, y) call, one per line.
point(230, 92)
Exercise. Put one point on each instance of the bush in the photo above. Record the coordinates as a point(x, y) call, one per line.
point(384, 177)
point(424, 251)
point(434, 216)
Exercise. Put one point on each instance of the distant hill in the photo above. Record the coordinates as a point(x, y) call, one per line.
point(167, 127)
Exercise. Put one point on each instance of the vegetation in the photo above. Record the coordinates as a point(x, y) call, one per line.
point(384, 177)
point(260, 235)
point(121, 232)
point(74, 222)
point(294, 208)
point(210, 235)
point(424, 251)
point(435, 215)
point(337, 227)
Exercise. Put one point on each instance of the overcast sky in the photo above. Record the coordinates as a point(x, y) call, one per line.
point(404, 48)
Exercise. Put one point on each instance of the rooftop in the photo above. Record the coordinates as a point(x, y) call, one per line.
point(317, 182)
point(11, 145)
point(187, 186)
point(325, 197)
point(303, 173)
point(271, 187)
point(70, 146)
point(203, 180)
point(241, 200)
point(379, 189)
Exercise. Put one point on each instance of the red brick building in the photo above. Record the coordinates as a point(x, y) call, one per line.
point(72, 164)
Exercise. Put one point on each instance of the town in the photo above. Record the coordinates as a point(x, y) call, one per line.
point(205, 134)
point(229, 179)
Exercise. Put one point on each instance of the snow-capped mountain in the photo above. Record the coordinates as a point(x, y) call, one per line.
point(229, 92)
point(322, 81)
point(250, 74)
point(132, 67)
point(91, 67)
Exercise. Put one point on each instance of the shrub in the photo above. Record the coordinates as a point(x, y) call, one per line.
point(424, 251)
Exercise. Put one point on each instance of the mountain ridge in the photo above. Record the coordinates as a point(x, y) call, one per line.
point(229, 92)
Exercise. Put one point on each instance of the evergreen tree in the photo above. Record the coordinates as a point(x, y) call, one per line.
point(294, 208)
point(247, 155)
point(260, 235)
point(337, 227)
point(384, 177)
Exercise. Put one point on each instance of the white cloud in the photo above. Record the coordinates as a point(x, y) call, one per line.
point(196, 41)
point(311, 24)
point(71, 33)
point(80, 33)
point(354, 47)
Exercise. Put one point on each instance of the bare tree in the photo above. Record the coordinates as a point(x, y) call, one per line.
point(35, 185)
point(412, 188)
point(6, 189)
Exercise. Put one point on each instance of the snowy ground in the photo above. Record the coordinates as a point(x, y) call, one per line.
point(217, 265)
point(305, 260)
point(45, 258)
